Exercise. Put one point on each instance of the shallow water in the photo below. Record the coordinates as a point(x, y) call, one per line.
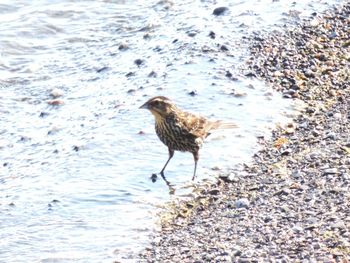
point(74, 178)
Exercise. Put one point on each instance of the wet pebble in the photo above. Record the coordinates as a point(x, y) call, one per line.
point(138, 62)
point(224, 48)
point(56, 93)
point(220, 10)
point(193, 93)
point(212, 34)
point(55, 102)
point(123, 47)
point(152, 74)
point(102, 69)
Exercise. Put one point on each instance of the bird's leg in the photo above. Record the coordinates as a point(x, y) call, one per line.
point(171, 154)
point(195, 157)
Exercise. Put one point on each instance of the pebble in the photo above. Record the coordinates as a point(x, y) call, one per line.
point(330, 171)
point(55, 102)
point(139, 62)
point(56, 93)
point(220, 10)
point(123, 47)
point(242, 203)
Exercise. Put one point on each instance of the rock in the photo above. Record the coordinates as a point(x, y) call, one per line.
point(330, 171)
point(139, 62)
point(220, 10)
point(55, 102)
point(242, 203)
point(56, 93)
point(152, 74)
point(102, 69)
point(193, 93)
point(224, 48)
point(212, 35)
point(214, 192)
point(130, 74)
point(123, 47)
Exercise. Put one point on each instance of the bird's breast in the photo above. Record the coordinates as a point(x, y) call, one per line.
point(175, 137)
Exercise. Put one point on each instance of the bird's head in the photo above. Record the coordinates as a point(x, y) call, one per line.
point(159, 106)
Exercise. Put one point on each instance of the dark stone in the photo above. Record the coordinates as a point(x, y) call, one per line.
point(250, 75)
point(76, 148)
point(191, 33)
point(193, 93)
point(43, 114)
point(223, 48)
point(220, 10)
point(154, 178)
point(212, 35)
point(152, 74)
point(228, 74)
point(130, 74)
point(139, 62)
point(102, 69)
point(123, 47)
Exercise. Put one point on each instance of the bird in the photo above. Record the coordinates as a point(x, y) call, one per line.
point(180, 130)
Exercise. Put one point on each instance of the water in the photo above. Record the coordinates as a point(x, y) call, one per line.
point(74, 178)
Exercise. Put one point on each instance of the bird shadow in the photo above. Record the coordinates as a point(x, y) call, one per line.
point(172, 189)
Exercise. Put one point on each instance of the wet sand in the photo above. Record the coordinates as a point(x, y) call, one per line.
point(292, 203)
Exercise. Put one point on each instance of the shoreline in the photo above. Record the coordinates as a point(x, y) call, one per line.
point(293, 202)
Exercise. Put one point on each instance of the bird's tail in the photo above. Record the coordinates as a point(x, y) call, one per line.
point(223, 125)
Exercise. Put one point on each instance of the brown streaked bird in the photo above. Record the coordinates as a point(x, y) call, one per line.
point(180, 130)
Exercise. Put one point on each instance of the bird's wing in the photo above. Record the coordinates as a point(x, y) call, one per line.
point(200, 126)
point(196, 125)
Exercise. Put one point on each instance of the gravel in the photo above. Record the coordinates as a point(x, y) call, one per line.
point(293, 202)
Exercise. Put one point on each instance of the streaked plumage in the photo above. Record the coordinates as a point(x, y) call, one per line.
point(180, 130)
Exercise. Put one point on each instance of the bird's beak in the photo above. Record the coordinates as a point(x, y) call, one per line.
point(144, 106)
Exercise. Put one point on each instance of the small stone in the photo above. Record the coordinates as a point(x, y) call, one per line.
point(242, 203)
point(223, 48)
point(139, 62)
point(193, 93)
point(130, 74)
point(43, 114)
point(102, 69)
point(330, 171)
point(55, 93)
point(220, 10)
point(228, 74)
point(331, 135)
point(123, 47)
point(212, 35)
point(55, 102)
point(214, 191)
point(192, 33)
point(154, 178)
point(76, 148)
point(314, 22)
point(152, 74)
point(297, 229)
point(237, 253)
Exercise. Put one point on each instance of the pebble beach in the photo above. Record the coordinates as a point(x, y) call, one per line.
point(292, 203)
